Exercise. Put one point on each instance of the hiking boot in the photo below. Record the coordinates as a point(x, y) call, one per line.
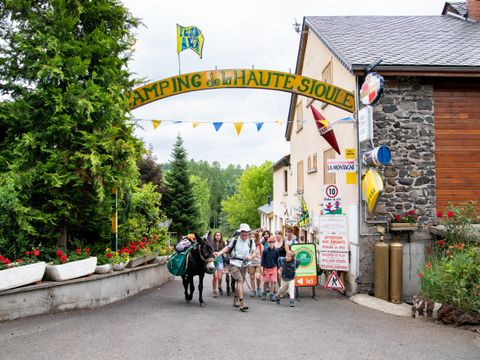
point(292, 303)
point(220, 291)
point(236, 302)
point(277, 300)
point(243, 306)
point(264, 296)
point(272, 297)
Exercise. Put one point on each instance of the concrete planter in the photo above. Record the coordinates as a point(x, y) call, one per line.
point(162, 260)
point(119, 267)
point(103, 269)
point(404, 226)
point(21, 275)
point(141, 260)
point(71, 270)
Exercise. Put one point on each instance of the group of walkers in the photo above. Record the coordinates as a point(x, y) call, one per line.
point(265, 257)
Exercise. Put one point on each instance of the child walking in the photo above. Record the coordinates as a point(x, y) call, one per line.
point(270, 265)
point(288, 265)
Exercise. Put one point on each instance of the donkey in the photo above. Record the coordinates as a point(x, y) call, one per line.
point(200, 260)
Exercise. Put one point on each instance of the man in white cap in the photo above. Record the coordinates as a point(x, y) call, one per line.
point(242, 249)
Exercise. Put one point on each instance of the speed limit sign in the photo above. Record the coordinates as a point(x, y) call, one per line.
point(331, 191)
point(332, 200)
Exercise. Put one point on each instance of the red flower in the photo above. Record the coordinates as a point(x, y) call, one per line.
point(87, 250)
point(1, 258)
point(411, 212)
point(6, 261)
point(19, 261)
point(36, 252)
point(420, 275)
point(398, 218)
point(439, 214)
point(429, 264)
point(27, 253)
point(144, 238)
point(63, 258)
point(447, 252)
point(450, 214)
point(440, 242)
point(59, 253)
point(78, 251)
point(109, 255)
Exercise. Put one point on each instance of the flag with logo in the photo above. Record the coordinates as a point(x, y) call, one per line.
point(189, 37)
point(304, 216)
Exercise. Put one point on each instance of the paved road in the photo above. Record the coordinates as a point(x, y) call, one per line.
point(158, 324)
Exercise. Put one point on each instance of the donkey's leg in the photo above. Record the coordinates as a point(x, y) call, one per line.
point(192, 289)
point(200, 289)
point(185, 287)
point(227, 280)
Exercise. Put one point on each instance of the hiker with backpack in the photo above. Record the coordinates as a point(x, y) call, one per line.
point(242, 250)
point(288, 265)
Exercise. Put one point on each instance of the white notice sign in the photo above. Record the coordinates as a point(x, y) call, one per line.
point(365, 123)
point(341, 165)
point(334, 261)
point(333, 224)
point(334, 242)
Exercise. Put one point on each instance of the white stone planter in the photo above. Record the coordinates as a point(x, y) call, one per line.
point(141, 260)
point(118, 267)
point(21, 275)
point(71, 270)
point(103, 269)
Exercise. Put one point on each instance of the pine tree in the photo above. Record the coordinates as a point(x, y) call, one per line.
point(179, 200)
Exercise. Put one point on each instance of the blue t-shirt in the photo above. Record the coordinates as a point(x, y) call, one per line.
point(269, 258)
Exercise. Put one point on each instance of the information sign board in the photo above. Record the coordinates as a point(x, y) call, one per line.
point(306, 274)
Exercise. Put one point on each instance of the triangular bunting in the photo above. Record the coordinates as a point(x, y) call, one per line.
point(238, 127)
point(217, 125)
point(156, 123)
point(325, 132)
point(259, 126)
point(279, 123)
point(195, 124)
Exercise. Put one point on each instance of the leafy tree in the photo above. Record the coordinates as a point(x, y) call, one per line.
point(64, 133)
point(151, 172)
point(254, 186)
point(179, 200)
point(201, 194)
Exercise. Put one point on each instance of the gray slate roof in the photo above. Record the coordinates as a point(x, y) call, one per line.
point(404, 41)
point(266, 209)
point(459, 7)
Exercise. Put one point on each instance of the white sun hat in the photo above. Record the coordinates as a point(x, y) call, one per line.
point(244, 227)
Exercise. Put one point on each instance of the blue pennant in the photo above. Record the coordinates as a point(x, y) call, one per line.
point(259, 126)
point(217, 125)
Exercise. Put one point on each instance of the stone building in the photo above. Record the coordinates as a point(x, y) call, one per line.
point(429, 116)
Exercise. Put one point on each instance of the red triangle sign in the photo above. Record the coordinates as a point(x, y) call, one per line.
point(324, 131)
point(334, 282)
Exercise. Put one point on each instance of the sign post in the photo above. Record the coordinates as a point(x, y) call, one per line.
point(306, 274)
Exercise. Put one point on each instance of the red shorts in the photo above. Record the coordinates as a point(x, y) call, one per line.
point(270, 275)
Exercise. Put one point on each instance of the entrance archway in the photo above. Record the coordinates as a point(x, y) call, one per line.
point(243, 78)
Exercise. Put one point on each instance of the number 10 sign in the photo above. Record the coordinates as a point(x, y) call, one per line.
point(332, 200)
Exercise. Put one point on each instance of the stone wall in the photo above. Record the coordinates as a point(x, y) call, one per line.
point(403, 120)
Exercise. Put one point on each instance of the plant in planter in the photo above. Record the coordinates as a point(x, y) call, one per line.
point(71, 265)
point(104, 262)
point(119, 260)
point(405, 220)
point(21, 271)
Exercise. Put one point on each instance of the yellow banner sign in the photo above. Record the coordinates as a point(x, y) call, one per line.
point(372, 186)
point(243, 78)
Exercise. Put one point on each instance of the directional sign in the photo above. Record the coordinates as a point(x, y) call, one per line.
point(306, 274)
point(334, 282)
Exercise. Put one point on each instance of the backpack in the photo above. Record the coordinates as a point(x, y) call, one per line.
point(177, 264)
point(250, 243)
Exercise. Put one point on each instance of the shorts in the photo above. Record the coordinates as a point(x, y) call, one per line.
point(255, 269)
point(219, 264)
point(270, 275)
point(237, 273)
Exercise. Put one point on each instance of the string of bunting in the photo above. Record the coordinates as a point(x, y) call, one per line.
point(238, 125)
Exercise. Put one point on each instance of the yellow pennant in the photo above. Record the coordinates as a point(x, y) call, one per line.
point(156, 123)
point(238, 127)
point(324, 122)
point(195, 124)
point(279, 123)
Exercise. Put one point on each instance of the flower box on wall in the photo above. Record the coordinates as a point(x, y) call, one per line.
point(103, 269)
point(119, 266)
point(21, 275)
point(71, 270)
point(404, 226)
point(141, 260)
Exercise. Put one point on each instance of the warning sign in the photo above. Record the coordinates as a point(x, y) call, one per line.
point(332, 200)
point(334, 261)
point(334, 282)
point(333, 242)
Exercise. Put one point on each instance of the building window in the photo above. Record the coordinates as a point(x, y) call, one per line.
point(300, 116)
point(327, 76)
point(312, 163)
point(300, 177)
point(285, 182)
point(328, 178)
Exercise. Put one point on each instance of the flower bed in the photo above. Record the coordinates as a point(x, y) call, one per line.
point(448, 314)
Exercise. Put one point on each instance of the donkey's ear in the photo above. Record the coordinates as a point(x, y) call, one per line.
point(199, 239)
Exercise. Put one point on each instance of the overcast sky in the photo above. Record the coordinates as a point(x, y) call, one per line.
point(238, 34)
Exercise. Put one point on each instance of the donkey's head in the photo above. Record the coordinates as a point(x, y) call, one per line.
point(206, 254)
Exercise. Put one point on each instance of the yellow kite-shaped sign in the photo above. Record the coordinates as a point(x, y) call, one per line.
point(372, 186)
point(243, 78)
